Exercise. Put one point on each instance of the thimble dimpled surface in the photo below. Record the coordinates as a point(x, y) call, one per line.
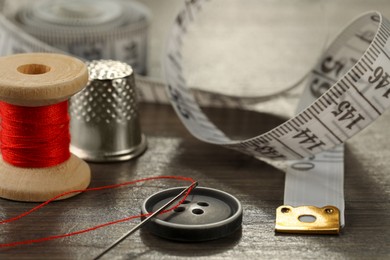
point(105, 120)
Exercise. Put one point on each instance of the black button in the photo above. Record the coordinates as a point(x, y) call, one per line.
point(206, 214)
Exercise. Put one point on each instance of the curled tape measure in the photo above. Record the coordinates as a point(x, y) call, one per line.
point(348, 88)
point(352, 71)
point(84, 29)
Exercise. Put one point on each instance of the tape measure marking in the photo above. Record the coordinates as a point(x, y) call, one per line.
point(341, 105)
point(347, 107)
point(121, 35)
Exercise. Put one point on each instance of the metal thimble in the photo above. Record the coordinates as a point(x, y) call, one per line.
point(104, 115)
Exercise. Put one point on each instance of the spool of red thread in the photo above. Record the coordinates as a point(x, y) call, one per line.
point(36, 164)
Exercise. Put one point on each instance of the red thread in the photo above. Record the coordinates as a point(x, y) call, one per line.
point(35, 137)
point(43, 239)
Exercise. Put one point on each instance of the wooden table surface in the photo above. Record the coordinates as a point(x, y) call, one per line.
point(259, 187)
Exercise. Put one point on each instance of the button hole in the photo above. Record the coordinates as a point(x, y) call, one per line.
point(179, 209)
point(203, 204)
point(198, 211)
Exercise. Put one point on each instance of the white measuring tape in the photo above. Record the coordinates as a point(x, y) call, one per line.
point(353, 73)
point(85, 29)
point(351, 104)
point(348, 89)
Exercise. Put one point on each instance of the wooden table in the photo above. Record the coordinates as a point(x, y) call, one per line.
point(258, 185)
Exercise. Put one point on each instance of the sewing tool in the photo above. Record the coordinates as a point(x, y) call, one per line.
point(104, 115)
point(147, 219)
point(206, 214)
point(34, 89)
point(347, 91)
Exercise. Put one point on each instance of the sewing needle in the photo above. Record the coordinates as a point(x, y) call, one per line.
point(123, 237)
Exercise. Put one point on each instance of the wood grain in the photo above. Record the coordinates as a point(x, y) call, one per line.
point(37, 79)
point(41, 184)
point(258, 185)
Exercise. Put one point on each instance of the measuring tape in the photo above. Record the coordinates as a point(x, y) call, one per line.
point(350, 104)
point(85, 29)
point(91, 33)
point(342, 98)
point(348, 88)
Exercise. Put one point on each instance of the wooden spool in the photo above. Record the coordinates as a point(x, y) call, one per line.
point(38, 79)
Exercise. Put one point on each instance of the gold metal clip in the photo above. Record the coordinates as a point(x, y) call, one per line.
point(308, 220)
